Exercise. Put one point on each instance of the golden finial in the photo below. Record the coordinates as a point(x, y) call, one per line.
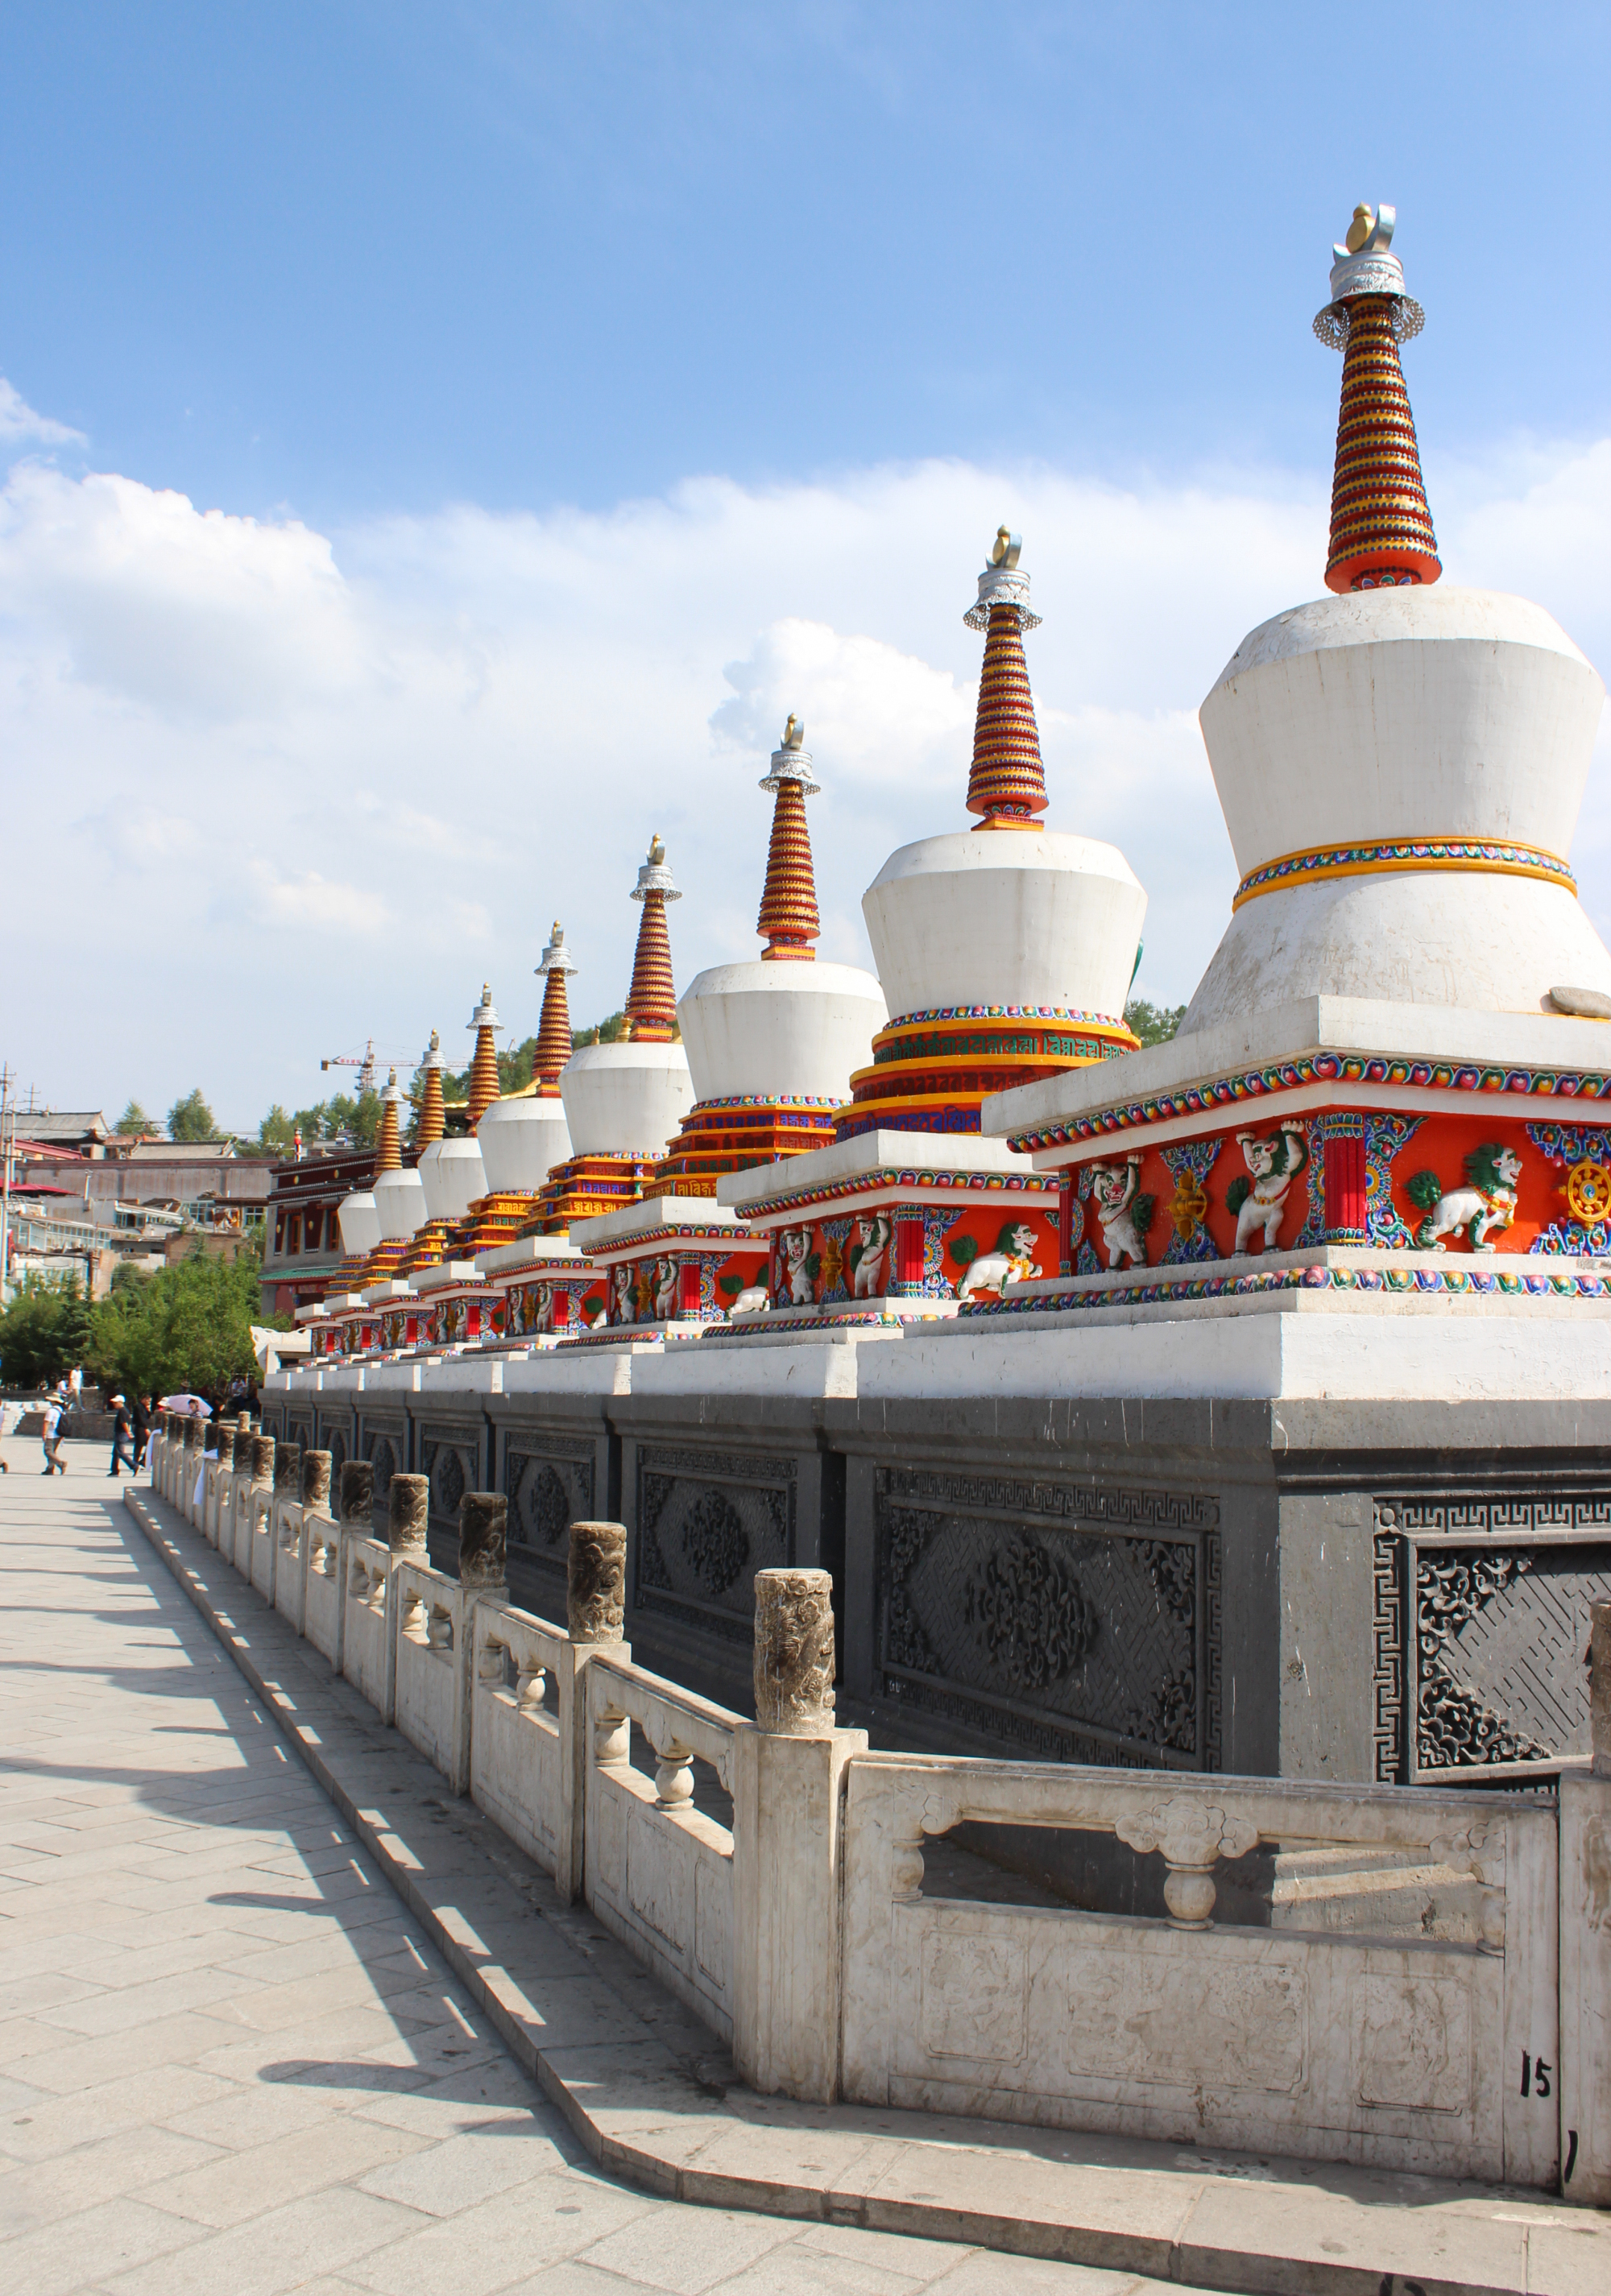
point(1360, 228)
point(657, 851)
point(1005, 549)
point(793, 732)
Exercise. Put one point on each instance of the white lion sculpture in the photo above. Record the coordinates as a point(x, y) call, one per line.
point(665, 1288)
point(1011, 1262)
point(1485, 1205)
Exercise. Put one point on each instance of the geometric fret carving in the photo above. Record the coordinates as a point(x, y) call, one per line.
point(1481, 1617)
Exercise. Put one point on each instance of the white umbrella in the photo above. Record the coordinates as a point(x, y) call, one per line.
point(195, 1405)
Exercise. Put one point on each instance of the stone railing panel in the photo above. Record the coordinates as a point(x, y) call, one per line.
point(1586, 1934)
point(1383, 2052)
point(322, 1607)
point(658, 1873)
point(430, 1689)
point(526, 1762)
point(366, 1640)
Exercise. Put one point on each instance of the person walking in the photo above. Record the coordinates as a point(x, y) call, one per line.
point(122, 1432)
point(51, 1437)
point(142, 1419)
point(9, 1416)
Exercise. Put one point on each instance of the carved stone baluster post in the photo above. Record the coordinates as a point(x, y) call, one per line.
point(222, 1483)
point(596, 1606)
point(1192, 1832)
point(483, 1543)
point(787, 1772)
point(409, 1518)
point(357, 1496)
point(315, 1481)
point(408, 1526)
point(1585, 1942)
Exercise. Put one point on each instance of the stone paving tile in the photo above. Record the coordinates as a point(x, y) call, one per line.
point(237, 2064)
point(61, 2258)
point(63, 2186)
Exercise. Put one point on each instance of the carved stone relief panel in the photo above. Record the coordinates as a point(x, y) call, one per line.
point(447, 1461)
point(1077, 1623)
point(382, 1454)
point(1481, 1617)
point(549, 1483)
point(707, 1521)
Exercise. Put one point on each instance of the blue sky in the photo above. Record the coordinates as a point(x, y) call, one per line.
point(358, 257)
point(439, 445)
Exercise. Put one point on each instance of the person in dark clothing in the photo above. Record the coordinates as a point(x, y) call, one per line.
point(122, 1432)
point(141, 1423)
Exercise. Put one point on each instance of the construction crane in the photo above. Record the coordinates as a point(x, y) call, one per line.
point(362, 1062)
point(367, 1062)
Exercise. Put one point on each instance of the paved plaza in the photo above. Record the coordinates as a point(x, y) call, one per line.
point(229, 2060)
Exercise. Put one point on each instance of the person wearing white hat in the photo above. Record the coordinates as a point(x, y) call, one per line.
point(122, 1436)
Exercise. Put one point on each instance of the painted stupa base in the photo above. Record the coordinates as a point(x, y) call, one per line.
point(1383, 1153)
point(1324, 1279)
point(719, 1136)
point(430, 1246)
point(587, 1187)
point(673, 1261)
point(551, 1290)
point(930, 1071)
point(895, 1225)
point(494, 1221)
point(384, 1264)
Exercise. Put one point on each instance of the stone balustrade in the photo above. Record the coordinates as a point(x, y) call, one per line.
point(658, 1870)
point(1415, 1979)
point(431, 1688)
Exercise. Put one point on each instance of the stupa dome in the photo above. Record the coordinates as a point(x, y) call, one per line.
point(1047, 921)
point(1400, 765)
point(400, 1204)
point(784, 1025)
point(629, 1097)
point(521, 1141)
point(359, 1223)
point(1037, 920)
point(452, 1175)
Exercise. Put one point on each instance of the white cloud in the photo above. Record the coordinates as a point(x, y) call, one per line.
point(316, 788)
point(18, 421)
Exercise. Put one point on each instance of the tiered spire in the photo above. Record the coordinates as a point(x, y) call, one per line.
point(1007, 784)
point(432, 1124)
point(1381, 527)
point(484, 1068)
point(789, 922)
point(389, 1148)
point(651, 1002)
point(554, 1030)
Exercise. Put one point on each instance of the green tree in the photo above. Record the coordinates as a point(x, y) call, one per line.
point(32, 1348)
point(134, 1121)
point(603, 1032)
point(1154, 1024)
point(191, 1119)
point(278, 1131)
point(188, 1326)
